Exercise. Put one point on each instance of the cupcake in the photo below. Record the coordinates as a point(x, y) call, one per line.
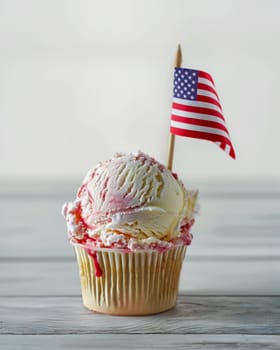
point(130, 227)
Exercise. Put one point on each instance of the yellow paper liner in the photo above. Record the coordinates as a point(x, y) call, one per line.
point(133, 283)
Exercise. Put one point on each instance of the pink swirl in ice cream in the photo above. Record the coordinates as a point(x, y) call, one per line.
point(131, 202)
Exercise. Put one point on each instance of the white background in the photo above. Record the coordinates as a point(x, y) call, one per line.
point(80, 80)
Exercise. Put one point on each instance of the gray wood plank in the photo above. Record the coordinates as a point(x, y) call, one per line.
point(248, 227)
point(193, 315)
point(198, 277)
point(138, 342)
point(32, 227)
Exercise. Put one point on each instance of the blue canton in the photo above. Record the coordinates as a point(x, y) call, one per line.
point(185, 83)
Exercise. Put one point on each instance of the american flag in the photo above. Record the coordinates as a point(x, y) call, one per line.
point(196, 109)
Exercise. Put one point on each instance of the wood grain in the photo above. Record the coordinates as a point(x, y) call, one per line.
point(21, 278)
point(193, 315)
point(147, 341)
point(247, 227)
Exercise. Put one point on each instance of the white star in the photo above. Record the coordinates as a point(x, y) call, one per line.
point(182, 84)
point(185, 96)
point(181, 91)
point(192, 97)
point(185, 80)
point(188, 93)
point(185, 88)
point(189, 85)
point(186, 72)
point(192, 89)
point(190, 78)
point(179, 79)
point(193, 81)
point(193, 74)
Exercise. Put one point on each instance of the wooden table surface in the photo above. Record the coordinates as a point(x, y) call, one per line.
point(229, 294)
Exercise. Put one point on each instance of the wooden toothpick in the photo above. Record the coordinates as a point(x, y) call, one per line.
point(178, 63)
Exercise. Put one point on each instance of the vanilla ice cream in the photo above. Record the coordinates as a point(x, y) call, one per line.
point(130, 201)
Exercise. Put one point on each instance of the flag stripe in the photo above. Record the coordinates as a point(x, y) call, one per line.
point(206, 76)
point(207, 88)
point(201, 122)
point(207, 93)
point(204, 136)
point(209, 100)
point(206, 82)
point(199, 110)
point(227, 148)
point(200, 104)
point(198, 135)
point(202, 129)
point(187, 114)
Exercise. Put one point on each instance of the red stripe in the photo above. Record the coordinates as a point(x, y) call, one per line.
point(207, 99)
point(200, 110)
point(201, 122)
point(208, 88)
point(206, 76)
point(231, 152)
point(204, 136)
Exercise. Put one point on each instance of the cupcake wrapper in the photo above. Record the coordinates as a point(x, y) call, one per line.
point(133, 283)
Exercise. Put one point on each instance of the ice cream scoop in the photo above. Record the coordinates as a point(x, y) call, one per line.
point(130, 197)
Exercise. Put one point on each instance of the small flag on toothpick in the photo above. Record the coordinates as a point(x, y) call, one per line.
point(196, 109)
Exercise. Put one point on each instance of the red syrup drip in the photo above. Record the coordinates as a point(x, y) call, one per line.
point(98, 271)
